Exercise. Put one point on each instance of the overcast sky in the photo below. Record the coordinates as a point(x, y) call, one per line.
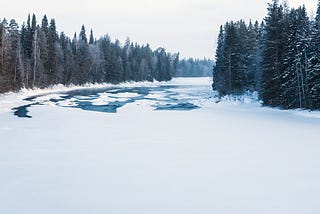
point(186, 26)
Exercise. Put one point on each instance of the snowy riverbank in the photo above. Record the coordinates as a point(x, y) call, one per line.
point(225, 157)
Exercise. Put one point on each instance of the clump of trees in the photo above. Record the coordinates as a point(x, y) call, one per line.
point(36, 55)
point(237, 58)
point(194, 68)
point(279, 58)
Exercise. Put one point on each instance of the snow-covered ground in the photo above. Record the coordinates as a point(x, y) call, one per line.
point(229, 157)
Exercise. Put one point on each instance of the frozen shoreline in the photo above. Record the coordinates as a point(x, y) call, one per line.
point(228, 157)
point(12, 99)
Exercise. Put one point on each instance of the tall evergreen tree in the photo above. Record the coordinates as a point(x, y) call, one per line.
point(272, 55)
point(233, 55)
point(91, 40)
point(313, 71)
point(294, 87)
point(219, 76)
point(82, 57)
point(4, 76)
point(280, 59)
point(52, 53)
point(14, 55)
point(252, 59)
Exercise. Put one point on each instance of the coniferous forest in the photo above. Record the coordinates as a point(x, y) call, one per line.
point(279, 58)
point(194, 68)
point(35, 55)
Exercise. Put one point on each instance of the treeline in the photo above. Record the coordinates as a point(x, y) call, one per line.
point(38, 56)
point(194, 68)
point(279, 58)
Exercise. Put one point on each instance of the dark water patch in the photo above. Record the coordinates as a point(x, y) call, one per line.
point(54, 100)
point(170, 99)
point(177, 107)
point(93, 93)
point(109, 108)
point(30, 99)
point(22, 111)
point(66, 97)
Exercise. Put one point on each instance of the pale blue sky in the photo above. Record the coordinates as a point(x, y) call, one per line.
point(186, 26)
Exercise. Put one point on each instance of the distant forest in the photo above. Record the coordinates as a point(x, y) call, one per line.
point(279, 58)
point(194, 68)
point(38, 56)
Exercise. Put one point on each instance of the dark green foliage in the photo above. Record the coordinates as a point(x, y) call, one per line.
point(253, 57)
point(51, 64)
point(313, 71)
point(235, 59)
point(91, 40)
point(280, 58)
point(36, 56)
point(9, 56)
point(82, 56)
point(14, 62)
point(273, 55)
point(219, 74)
point(294, 88)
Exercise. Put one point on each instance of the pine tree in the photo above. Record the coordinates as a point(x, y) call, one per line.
point(4, 76)
point(45, 25)
point(43, 62)
point(272, 55)
point(233, 54)
point(83, 62)
point(313, 71)
point(52, 53)
point(33, 25)
point(27, 45)
point(253, 59)
point(126, 61)
point(37, 57)
point(36, 61)
point(260, 32)
point(243, 51)
point(91, 40)
point(294, 87)
point(219, 76)
point(82, 35)
point(14, 68)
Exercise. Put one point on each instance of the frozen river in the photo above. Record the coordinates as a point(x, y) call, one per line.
point(154, 149)
point(110, 99)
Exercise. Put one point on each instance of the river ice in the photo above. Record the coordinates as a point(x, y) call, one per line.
point(228, 157)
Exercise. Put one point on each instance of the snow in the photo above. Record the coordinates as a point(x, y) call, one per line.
point(8, 100)
point(228, 157)
point(104, 99)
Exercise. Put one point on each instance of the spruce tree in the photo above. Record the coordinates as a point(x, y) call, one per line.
point(272, 55)
point(233, 54)
point(313, 71)
point(219, 76)
point(52, 53)
point(252, 59)
point(91, 40)
point(14, 68)
point(293, 87)
point(82, 57)
point(37, 57)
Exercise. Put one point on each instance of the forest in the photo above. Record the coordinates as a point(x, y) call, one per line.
point(36, 55)
point(194, 68)
point(279, 58)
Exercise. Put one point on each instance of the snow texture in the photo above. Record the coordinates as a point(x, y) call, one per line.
point(227, 157)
